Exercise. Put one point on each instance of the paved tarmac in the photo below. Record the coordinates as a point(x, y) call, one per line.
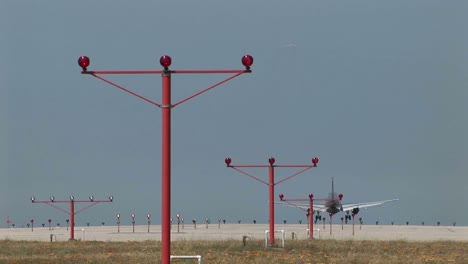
point(238, 231)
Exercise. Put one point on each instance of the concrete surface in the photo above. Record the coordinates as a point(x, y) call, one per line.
point(237, 231)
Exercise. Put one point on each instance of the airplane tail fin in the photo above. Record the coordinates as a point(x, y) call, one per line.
point(333, 186)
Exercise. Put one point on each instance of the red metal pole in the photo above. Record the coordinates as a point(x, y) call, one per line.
point(72, 220)
point(311, 219)
point(272, 205)
point(166, 169)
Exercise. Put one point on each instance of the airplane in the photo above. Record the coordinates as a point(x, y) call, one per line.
point(333, 205)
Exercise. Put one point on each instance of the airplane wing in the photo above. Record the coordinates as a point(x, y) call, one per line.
point(304, 206)
point(347, 207)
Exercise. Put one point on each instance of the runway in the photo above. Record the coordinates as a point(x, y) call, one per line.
point(238, 231)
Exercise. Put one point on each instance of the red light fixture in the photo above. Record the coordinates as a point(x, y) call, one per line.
point(311, 196)
point(281, 196)
point(247, 61)
point(271, 161)
point(228, 161)
point(315, 161)
point(83, 61)
point(165, 61)
point(340, 196)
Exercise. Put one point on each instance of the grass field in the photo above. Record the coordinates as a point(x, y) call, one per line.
point(295, 252)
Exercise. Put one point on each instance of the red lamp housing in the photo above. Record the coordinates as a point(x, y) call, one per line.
point(165, 61)
point(340, 196)
point(271, 161)
point(281, 196)
point(247, 61)
point(311, 196)
point(83, 61)
point(228, 161)
point(315, 161)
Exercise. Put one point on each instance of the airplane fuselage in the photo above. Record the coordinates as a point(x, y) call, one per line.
point(333, 208)
point(333, 205)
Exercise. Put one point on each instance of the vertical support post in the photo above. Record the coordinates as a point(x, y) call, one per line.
point(272, 204)
point(331, 220)
point(118, 223)
point(166, 168)
point(352, 215)
point(72, 220)
point(311, 219)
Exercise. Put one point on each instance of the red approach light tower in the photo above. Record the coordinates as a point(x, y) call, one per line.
point(166, 105)
point(271, 184)
point(72, 212)
point(309, 211)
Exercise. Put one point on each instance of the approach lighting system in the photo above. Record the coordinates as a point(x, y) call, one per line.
point(315, 161)
point(247, 61)
point(72, 203)
point(271, 161)
point(165, 61)
point(83, 61)
point(166, 105)
point(309, 210)
point(271, 183)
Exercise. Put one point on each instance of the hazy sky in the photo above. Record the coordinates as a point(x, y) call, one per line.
point(376, 89)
